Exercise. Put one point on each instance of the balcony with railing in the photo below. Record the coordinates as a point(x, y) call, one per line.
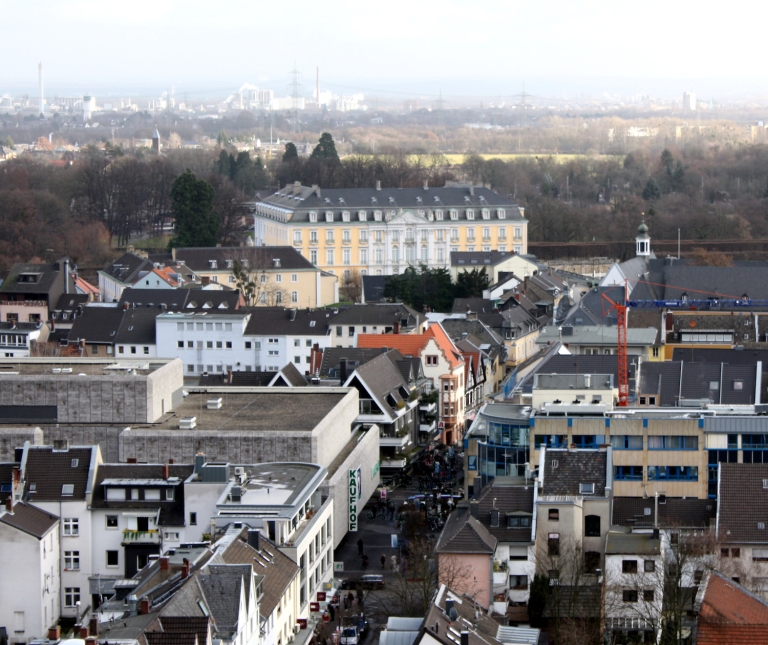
point(394, 439)
point(133, 536)
point(428, 426)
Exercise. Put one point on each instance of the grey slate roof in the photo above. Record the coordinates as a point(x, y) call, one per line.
point(479, 259)
point(278, 569)
point(222, 593)
point(742, 503)
point(728, 356)
point(171, 512)
point(383, 381)
point(259, 258)
point(373, 287)
point(30, 519)
point(187, 300)
point(506, 499)
point(127, 268)
point(581, 364)
point(386, 199)
point(477, 305)
point(675, 512)
point(50, 282)
point(670, 380)
point(279, 321)
point(289, 376)
point(380, 314)
point(463, 533)
point(597, 335)
point(50, 469)
point(97, 325)
point(564, 470)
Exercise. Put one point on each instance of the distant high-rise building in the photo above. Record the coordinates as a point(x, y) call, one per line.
point(156, 142)
point(689, 102)
point(89, 105)
point(40, 80)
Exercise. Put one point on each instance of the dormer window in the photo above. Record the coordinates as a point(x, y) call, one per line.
point(244, 263)
point(29, 278)
point(328, 216)
point(470, 214)
point(230, 264)
point(377, 216)
point(213, 264)
point(67, 490)
point(454, 214)
point(313, 217)
point(486, 213)
point(501, 214)
point(75, 463)
point(439, 216)
point(362, 216)
point(345, 216)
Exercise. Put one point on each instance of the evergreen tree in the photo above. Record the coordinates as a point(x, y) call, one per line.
point(325, 148)
point(651, 190)
point(196, 223)
point(290, 152)
point(471, 284)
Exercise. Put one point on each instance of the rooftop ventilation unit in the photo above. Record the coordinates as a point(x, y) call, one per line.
point(214, 404)
point(187, 423)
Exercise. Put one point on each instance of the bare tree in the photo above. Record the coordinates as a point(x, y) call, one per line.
point(420, 574)
point(250, 269)
point(352, 286)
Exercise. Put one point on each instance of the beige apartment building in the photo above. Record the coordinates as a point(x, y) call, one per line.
point(383, 231)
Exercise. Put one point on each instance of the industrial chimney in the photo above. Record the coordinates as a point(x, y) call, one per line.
point(40, 81)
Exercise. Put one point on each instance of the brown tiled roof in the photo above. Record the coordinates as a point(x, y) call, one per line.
point(49, 470)
point(30, 519)
point(675, 512)
point(197, 624)
point(173, 638)
point(743, 503)
point(731, 614)
point(278, 569)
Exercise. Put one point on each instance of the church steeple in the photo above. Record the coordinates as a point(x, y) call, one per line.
point(642, 241)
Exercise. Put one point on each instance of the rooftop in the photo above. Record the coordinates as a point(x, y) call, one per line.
point(58, 475)
point(258, 410)
point(742, 510)
point(68, 368)
point(278, 484)
point(728, 613)
point(29, 519)
point(567, 471)
point(632, 544)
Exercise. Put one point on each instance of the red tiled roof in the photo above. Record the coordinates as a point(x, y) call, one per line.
point(85, 287)
point(413, 344)
point(731, 614)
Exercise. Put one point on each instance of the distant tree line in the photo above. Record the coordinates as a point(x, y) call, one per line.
point(433, 288)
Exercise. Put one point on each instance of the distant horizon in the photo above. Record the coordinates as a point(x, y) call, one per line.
point(459, 90)
point(469, 51)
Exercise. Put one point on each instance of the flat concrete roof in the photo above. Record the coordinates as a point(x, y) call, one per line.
point(261, 410)
point(276, 484)
point(70, 368)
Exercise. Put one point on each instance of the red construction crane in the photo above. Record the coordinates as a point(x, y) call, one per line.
point(621, 328)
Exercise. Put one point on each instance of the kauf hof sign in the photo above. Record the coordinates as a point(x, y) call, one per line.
point(355, 493)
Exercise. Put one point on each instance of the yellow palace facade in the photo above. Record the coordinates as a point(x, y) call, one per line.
point(382, 231)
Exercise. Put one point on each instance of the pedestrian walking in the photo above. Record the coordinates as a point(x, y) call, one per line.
point(383, 561)
point(360, 546)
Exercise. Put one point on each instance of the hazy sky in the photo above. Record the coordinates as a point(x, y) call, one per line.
point(460, 46)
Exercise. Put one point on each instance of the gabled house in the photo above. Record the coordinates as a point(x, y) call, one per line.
point(19, 340)
point(30, 291)
point(443, 365)
point(374, 318)
point(59, 479)
point(137, 511)
point(29, 595)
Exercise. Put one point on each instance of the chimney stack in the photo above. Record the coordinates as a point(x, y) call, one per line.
point(9, 504)
point(205, 280)
point(378, 184)
point(396, 327)
point(343, 370)
point(93, 626)
point(166, 472)
point(474, 508)
point(164, 563)
point(464, 638)
point(254, 539)
point(426, 184)
point(146, 605)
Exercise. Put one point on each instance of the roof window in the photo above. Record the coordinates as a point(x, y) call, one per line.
point(67, 490)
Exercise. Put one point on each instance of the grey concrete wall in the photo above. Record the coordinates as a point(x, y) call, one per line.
point(236, 446)
point(107, 437)
point(161, 384)
point(12, 438)
point(334, 430)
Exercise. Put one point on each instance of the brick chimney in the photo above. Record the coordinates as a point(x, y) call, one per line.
point(93, 626)
point(166, 471)
point(164, 563)
point(146, 606)
point(395, 327)
point(205, 280)
point(316, 359)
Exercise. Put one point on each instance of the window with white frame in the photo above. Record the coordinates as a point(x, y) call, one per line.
point(329, 236)
point(346, 237)
point(377, 216)
point(502, 233)
point(395, 254)
point(345, 216)
point(440, 254)
point(313, 217)
point(454, 215)
point(297, 237)
point(72, 560)
point(294, 296)
point(329, 257)
point(501, 214)
point(363, 236)
point(71, 596)
point(486, 233)
point(486, 213)
point(328, 216)
point(439, 216)
point(362, 216)
point(313, 237)
point(518, 233)
point(454, 235)
point(278, 277)
point(345, 257)
point(363, 256)
point(71, 526)
point(313, 256)
point(470, 214)
point(470, 234)
point(424, 254)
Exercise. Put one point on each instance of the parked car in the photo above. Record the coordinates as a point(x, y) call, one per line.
point(350, 636)
point(370, 581)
